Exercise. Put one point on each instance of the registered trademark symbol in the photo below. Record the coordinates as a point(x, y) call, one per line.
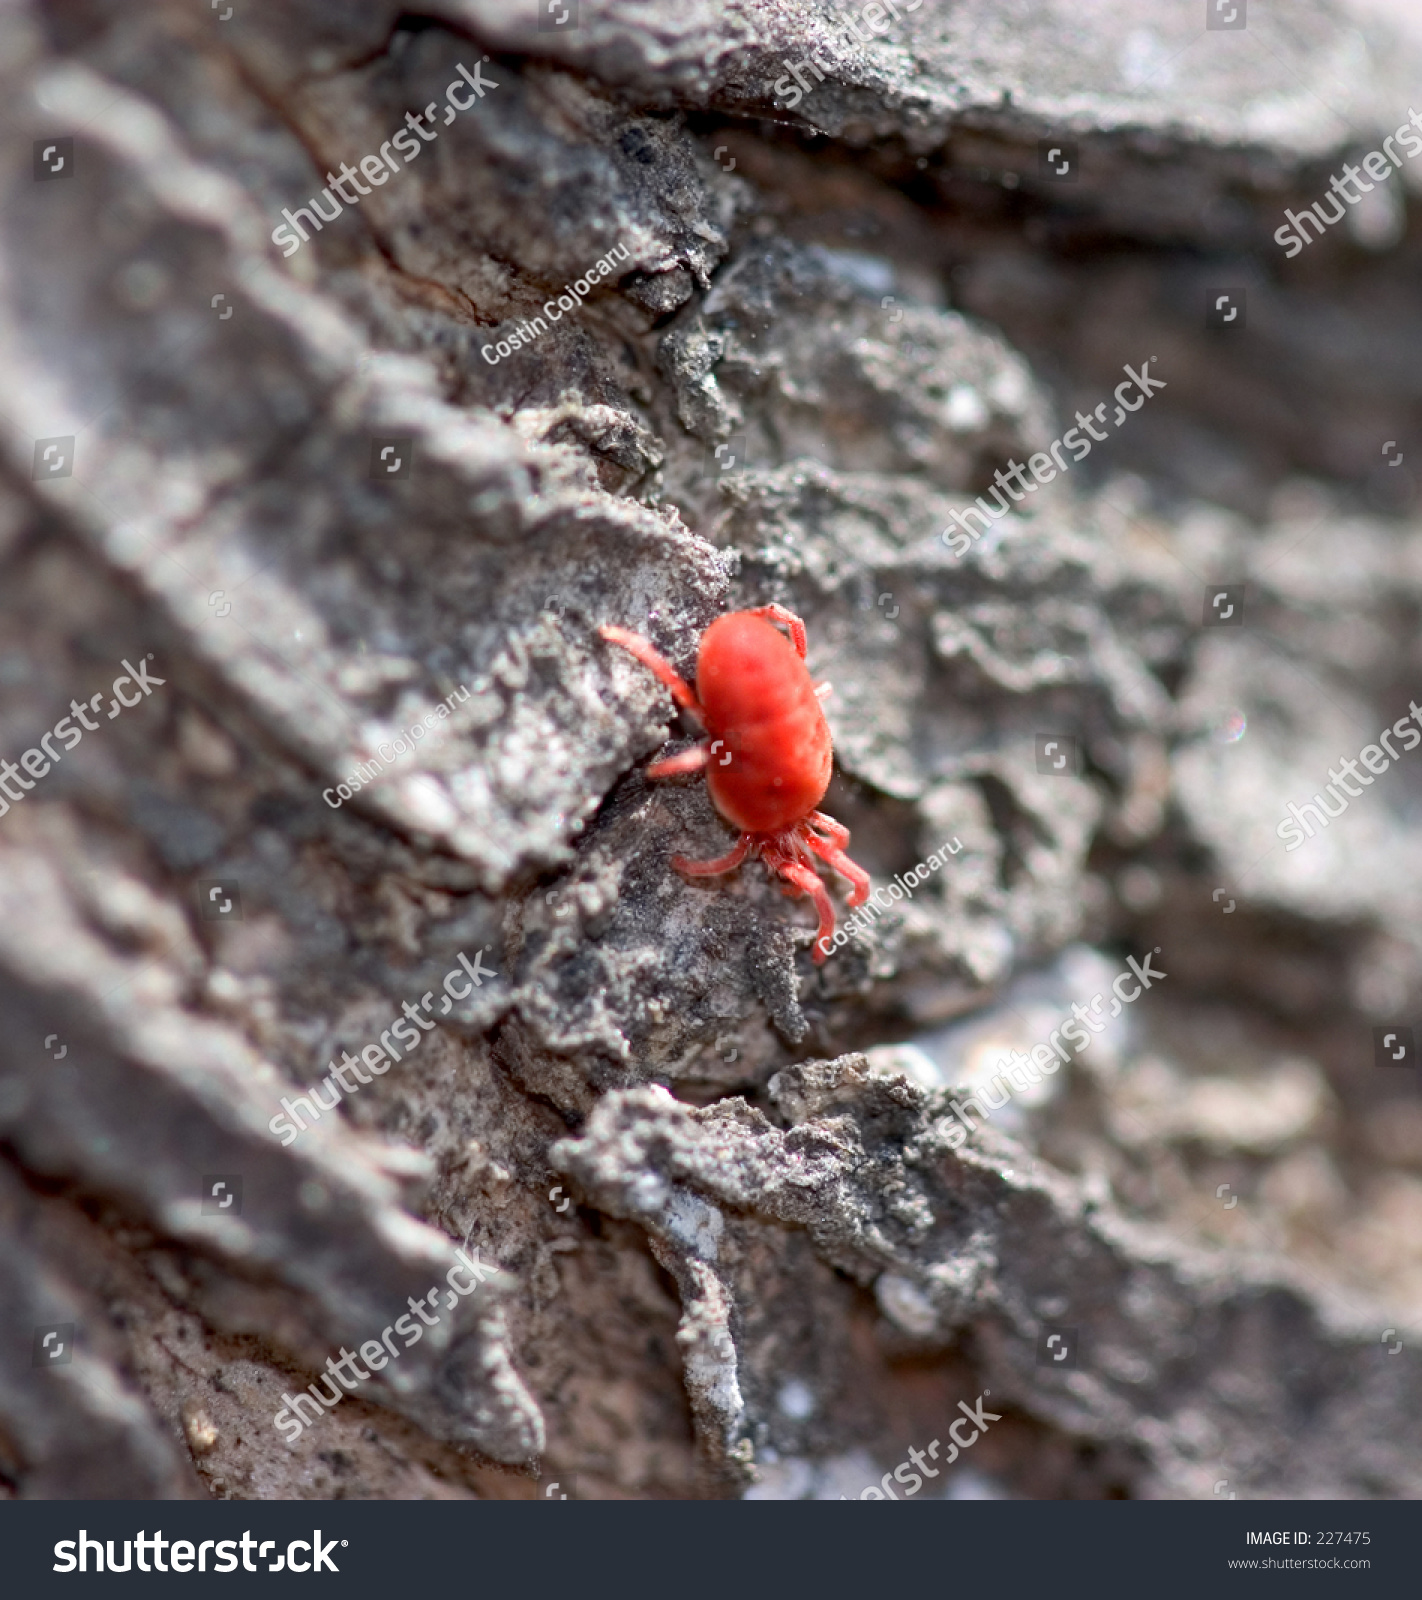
point(345, 1542)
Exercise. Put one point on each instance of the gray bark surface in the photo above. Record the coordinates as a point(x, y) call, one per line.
point(733, 1248)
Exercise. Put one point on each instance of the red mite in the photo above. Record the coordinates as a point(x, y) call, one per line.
point(767, 753)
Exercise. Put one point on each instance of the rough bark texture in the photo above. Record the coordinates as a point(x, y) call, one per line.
point(739, 1248)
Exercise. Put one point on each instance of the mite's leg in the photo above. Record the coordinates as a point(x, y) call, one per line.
point(807, 881)
point(841, 863)
point(708, 869)
point(838, 833)
point(688, 761)
point(654, 661)
point(787, 619)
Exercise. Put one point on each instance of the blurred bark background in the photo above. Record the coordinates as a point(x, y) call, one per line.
point(736, 1250)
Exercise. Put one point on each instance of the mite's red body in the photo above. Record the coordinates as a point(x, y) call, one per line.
point(767, 753)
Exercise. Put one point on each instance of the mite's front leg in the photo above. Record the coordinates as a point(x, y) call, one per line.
point(692, 760)
point(787, 619)
point(655, 662)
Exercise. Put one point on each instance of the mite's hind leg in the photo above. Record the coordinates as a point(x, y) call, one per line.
point(836, 858)
point(807, 881)
point(838, 833)
point(709, 869)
